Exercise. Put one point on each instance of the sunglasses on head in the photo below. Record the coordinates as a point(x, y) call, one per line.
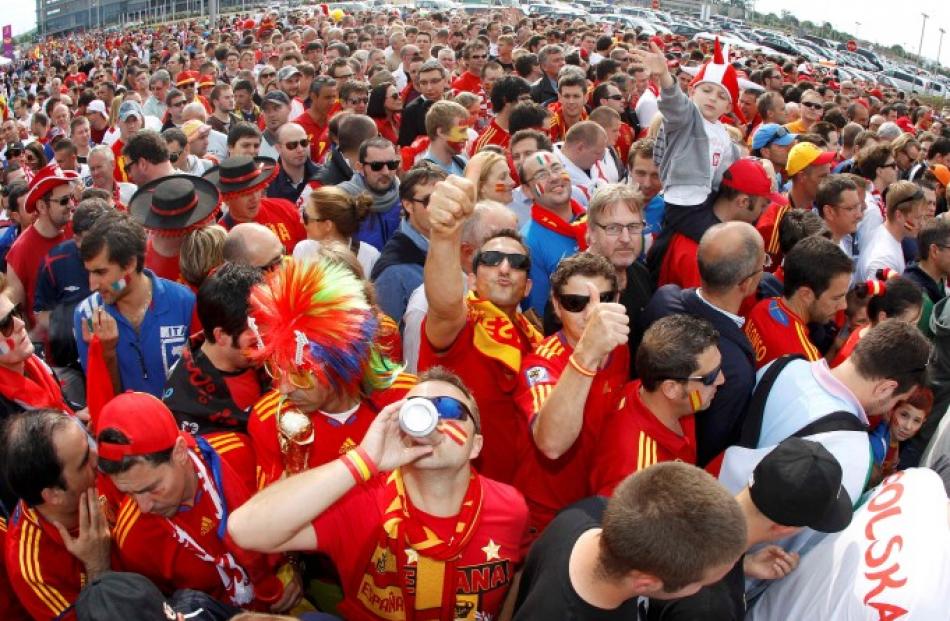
point(450, 408)
point(706, 380)
point(574, 303)
point(378, 166)
point(7, 323)
point(494, 258)
point(293, 144)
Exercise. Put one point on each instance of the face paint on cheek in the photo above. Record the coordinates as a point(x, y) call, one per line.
point(458, 134)
point(120, 285)
point(501, 187)
point(454, 431)
point(696, 401)
point(6, 346)
point(539, 189)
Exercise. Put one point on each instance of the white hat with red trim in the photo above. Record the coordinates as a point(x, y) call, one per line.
point(718, 71)
point(45, 181)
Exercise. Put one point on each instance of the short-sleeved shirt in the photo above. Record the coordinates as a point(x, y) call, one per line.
point(26, 256)
point(332, 437)
point(549, 485)
point(62, 278)
point(493, 384)
point(281, 217)
point(633, 439)
point(317, 134)
point(147, 355)
point(486, 565)
point(774, 330)
point(494, 134)
point(680, 264)
point(545, 590)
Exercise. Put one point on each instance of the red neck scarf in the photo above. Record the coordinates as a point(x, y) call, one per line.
point(577, 229)
point(409, 568)
point(35, 388)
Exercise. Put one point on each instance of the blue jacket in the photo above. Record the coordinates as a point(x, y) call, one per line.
point(398, 271)
point(547, 248)
point(145, 357)
point(719, 426)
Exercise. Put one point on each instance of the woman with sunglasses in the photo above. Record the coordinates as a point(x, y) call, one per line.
point(385, 107)
point(569, 384)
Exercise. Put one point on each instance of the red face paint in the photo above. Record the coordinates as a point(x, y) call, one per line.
point(501, 187)
point(454, 431)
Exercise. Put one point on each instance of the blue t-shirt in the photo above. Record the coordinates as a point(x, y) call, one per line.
point(62, 278)
point(145, 357)
point(547, 248)
point(653, 215)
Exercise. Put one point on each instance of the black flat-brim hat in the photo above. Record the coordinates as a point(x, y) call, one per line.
point(175, 203)
point(241, 173)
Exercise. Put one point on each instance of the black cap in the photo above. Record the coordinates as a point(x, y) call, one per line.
point(277, 97)
point(117, 596)
point(799, 484)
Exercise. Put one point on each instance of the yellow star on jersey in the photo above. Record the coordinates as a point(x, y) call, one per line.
point(491, 551)
point(412, 556)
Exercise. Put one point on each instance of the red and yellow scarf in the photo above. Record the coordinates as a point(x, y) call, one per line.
point(410, 572)
point(496, 336)
point(575, 229)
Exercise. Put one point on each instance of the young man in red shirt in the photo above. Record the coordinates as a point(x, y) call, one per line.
point(569, 383)
point(474, 57)
point(58, 537)
point(507, 93)
point(171, 526)
point(316, 119)
point(315, 335)
point(817, 275)
point(680, 369)
point(481, 336)
point(569, 107)
point(242, 181)
point(414, 530)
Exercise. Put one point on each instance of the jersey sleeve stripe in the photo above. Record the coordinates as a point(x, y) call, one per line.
point(29, 565)
point(640, 451)
point(811, 352)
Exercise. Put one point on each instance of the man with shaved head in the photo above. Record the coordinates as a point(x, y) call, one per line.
point(253, 244)
point(297, 175)
point(731, 257)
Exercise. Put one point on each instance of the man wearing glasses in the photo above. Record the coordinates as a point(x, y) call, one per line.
point(431, 86)
point(812, 108)
point(376, 175)
point(474, 57)
point(569, 383)
point(680, 370)
point(772, 80)
point(297, 174)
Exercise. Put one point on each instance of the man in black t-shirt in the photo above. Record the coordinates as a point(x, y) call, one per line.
point(668, 531)
point(797, 484)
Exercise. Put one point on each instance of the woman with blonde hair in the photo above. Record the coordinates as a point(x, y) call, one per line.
point(331, 214)
point(495, 182)
point(201, 252)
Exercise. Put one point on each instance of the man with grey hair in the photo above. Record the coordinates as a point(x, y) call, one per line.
point(488, 218)
point(889, 131)
point(101, 162)
point(158, 84)
point(551, 59)
point(401, 73)
point(217, 142)
point(731, 260)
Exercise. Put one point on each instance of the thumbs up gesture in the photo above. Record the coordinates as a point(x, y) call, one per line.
point(607, 327)
point(453, 201)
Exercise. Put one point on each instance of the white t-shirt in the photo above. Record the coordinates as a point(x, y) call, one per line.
point(882, 250)
point(892, 562)
point(366, 255)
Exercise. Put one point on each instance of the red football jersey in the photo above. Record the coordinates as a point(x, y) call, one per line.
point(557, 124)
point(549, 485)
point(493, 384)
point(149, 544)
point(633, 438)
point(484, 569)
point(680, 265)
point(774, 330)
point(280, 216)
point(331, 438)
point(317, 134)
point(767, 225)
point(468, 81)
point(164, 267)
point(493, 134)
point(9, 600)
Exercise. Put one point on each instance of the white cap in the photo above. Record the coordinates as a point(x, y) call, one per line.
point(97, 105)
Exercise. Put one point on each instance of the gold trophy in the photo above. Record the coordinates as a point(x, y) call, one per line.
point(295, 435)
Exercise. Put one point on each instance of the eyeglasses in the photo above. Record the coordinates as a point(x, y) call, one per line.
point(394, 96)
point(890, 165)
point(173, 156)
point(347, 76)
point(7, 323)
point(293, 144)
point(378, 166)
point(494, 258)
point(574, 303)
point(358, 100)
point(613, 97)
point(450, 408)
point(66, 200)
point(273, 263)
point(268, 75)
point(615, 228)
point(813, 105)
point(298, 379)
point(916, 196)
point(543, 175)
point(423, 201)
point(706, 380)
point(177, 104)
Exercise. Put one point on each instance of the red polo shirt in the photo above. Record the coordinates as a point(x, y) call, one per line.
point(549, 485)
point(633, 438)
point(468, 81)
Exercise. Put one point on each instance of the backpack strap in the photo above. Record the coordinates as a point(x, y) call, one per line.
point(752, 423)
point(836, 421)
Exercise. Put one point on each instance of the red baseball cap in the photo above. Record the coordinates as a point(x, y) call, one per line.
point(748, 176)
point(144, 420)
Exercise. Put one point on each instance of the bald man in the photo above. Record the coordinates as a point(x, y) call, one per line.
point(298, 174)
point(253, 244)
point(731, 258)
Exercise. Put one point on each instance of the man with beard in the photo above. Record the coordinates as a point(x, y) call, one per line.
point(445, 126)
point(376, 175)
point(142, 321)
point(214, 385)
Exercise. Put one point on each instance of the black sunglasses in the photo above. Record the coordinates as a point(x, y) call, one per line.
point(706, 380)
point(378, 166)
point(812, 105)
point(574, 303)
point(65, 200)
point(6, 324)
point(293, 144)
point(493, 258)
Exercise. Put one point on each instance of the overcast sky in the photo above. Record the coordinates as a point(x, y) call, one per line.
point(882, 21)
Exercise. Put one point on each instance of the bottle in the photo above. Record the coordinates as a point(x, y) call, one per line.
point(419, 419)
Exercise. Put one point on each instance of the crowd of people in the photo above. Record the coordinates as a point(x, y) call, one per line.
point(431, 315)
